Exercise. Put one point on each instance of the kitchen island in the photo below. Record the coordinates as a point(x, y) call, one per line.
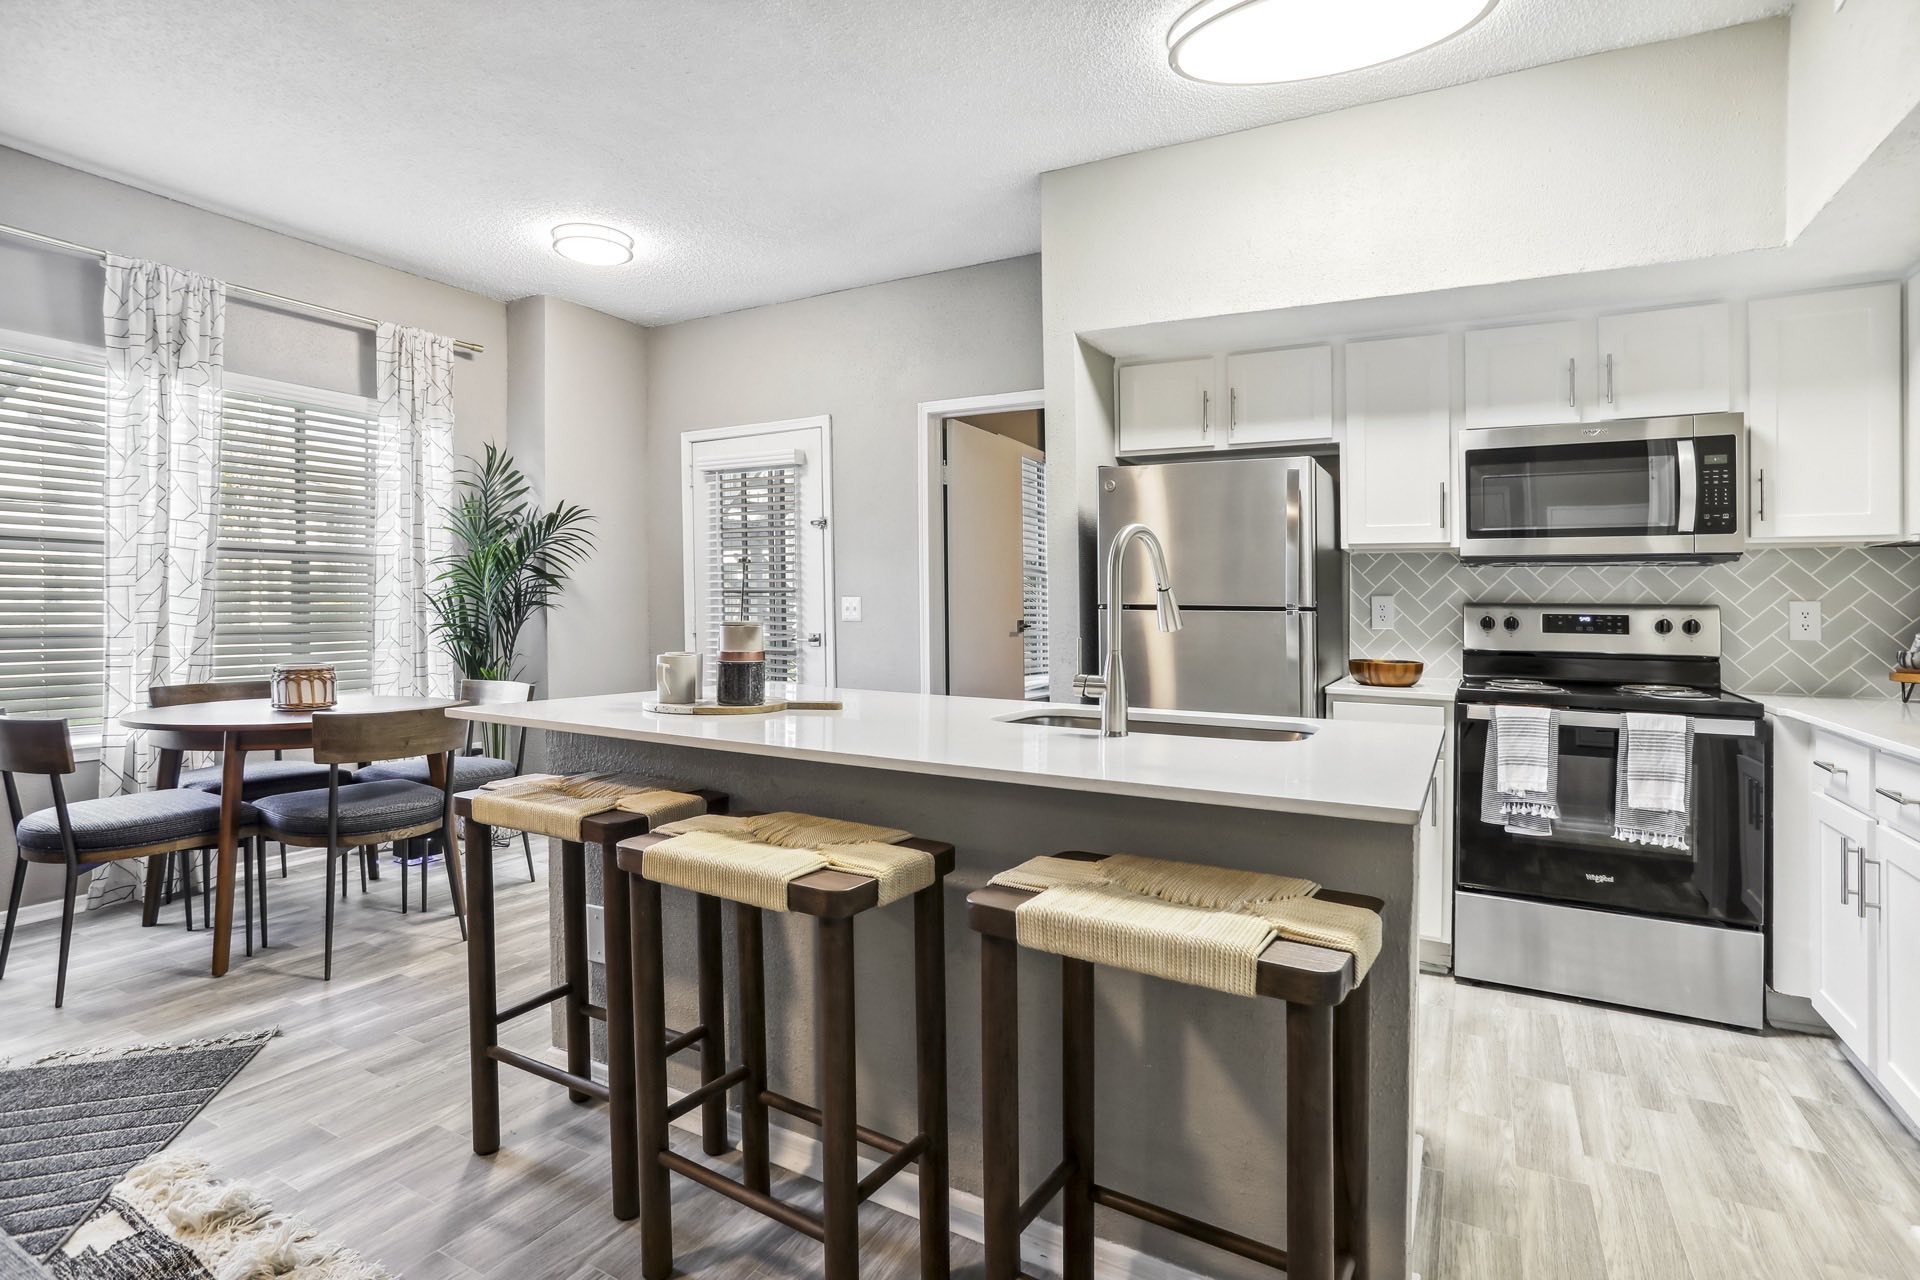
point(1192, 1112)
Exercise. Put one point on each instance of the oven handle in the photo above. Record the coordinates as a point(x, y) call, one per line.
point(1686, 514)
point(1611, 720)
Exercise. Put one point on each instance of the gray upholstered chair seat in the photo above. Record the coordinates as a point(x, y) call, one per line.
point(265, 777)
point(364, 807)
point(468, 771)
point(126, 822)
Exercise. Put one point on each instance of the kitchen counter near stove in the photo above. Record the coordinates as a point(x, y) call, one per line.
point(1430, 688)
point(1884, 723)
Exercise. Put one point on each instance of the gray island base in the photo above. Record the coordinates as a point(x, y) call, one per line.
point(1190, 1083)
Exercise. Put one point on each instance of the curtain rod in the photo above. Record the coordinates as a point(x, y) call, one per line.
point(240, 290)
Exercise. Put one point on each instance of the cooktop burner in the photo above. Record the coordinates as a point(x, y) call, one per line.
point(1669, 692)
point(1516, 684)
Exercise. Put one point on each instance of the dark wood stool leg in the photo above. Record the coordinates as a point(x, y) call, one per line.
point(483, 1001)
point(930, 1042)
point(755, 1171)
point(622, 1102)
point(650, 1074)
point(1310, 1105)
point(835, 1058)
point(1352, 1063)
point(573, 958)
point(713, 1016)
point(1076, 1083)
point(1000, 1104)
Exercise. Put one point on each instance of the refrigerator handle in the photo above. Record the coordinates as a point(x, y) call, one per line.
point(1294, 554)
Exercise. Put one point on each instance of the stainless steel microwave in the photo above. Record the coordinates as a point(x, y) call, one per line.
point(1668, 489)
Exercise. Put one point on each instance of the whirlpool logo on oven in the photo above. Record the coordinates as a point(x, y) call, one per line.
point(1597, 878)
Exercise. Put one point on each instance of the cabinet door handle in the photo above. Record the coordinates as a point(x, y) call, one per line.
point(1570, 403)
point(1609, 377)
point(1895, 796)
point(1830, 767)
point(1233, 410)
point(1205, 413)
point(1879, 876)
point(1860, 880)
point(1760, 495)
point(1847, 891)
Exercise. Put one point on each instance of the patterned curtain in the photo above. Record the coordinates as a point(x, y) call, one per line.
point(164, 332)
point(413, 481)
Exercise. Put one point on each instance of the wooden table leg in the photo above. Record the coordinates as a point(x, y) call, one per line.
point(232, 781)
point(157, 865)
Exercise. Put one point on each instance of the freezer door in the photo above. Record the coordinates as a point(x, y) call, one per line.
point(1255, 662)
point(1231, 528)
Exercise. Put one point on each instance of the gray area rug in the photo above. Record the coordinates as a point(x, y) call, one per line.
point(73, 1125)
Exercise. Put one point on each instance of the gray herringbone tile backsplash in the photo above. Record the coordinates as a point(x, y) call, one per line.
point(1869, 604)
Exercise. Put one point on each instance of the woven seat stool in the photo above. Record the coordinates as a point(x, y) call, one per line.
point(812, 880)
point(1326, 1057)
point(552, 815)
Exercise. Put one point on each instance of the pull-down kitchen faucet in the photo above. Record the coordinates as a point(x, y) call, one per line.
point(1110, 686)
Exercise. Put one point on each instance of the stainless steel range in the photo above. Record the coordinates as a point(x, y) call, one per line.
point(1577, 911)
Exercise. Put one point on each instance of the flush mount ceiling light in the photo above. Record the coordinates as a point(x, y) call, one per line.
point(1274, 41)
point(593, 244)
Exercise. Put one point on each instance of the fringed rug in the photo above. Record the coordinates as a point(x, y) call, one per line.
point(73, 1124)
point(170, 1219)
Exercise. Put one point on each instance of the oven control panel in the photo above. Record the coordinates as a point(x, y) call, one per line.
point(1656, 630)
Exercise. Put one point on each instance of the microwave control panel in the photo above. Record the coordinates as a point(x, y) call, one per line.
point(1718, 510)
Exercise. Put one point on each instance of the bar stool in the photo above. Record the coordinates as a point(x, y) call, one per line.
point(550, 814)
point(1326, 1084)
point(832, 897)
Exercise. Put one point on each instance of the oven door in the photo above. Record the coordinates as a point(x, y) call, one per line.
point(1719, 878)
point(1624, 490)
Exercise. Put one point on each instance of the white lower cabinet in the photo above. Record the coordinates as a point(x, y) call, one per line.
point(1436, 823)
point(1843, 988)
point(1894, 902)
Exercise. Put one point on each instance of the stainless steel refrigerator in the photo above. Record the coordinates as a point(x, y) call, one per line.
point(1253, 553)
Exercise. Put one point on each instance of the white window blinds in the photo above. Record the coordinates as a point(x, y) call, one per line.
point(1033, 568)
point(753, 559)
point(53, 445)
point(296, 545)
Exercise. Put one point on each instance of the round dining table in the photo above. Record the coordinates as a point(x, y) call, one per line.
point(233, 728)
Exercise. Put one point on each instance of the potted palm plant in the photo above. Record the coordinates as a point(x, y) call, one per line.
point(511, 561)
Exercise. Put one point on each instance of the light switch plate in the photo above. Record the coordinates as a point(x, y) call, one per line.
point(596, 935)
point(849, 608)
point(1803, 621)
point(1385, 614)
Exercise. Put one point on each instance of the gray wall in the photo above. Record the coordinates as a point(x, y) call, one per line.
point(1869, 602)
point(57, 294)
point(866, 357)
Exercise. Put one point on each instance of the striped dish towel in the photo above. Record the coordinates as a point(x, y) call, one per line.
point(1652, 779)
point(1520, 781)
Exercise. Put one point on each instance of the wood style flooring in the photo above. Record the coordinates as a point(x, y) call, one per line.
point(1563, 1141)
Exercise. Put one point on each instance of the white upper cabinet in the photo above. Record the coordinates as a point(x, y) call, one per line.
point(1655, 363)
point(1823, 415)
point(1280, 397)
point(1527, 374)
point(1398, 454)
point(1168, 405)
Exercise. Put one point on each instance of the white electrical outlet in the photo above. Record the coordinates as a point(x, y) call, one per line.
point(1384, 613)
point(1803, 621)
point(849, 608)
point(596, 935)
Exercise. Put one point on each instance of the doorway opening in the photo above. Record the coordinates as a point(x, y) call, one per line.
point(984, 542)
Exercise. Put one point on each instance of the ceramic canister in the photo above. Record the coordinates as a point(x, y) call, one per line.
point(743, 664)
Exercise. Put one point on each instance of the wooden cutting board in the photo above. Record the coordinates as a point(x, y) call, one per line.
point(758, 709)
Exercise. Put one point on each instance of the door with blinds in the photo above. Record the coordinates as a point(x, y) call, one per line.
point(996, 564)
point(759, 543)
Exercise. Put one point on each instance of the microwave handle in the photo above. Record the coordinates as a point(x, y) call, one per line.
point(1687, 511)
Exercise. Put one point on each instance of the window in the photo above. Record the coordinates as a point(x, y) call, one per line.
point(1033, 572)
point(53, 447)
point(295, 572)
point(754, 567)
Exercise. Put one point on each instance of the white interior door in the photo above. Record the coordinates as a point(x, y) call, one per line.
point(759, 543)
point(986, 614)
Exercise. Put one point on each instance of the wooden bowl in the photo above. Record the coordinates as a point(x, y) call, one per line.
point(1390, 673)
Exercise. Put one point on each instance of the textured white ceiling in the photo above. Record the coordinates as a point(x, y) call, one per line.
point(759, 150)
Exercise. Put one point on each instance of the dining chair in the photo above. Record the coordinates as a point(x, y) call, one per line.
point(81, 835)
point(262, 776)
point(346, 816)
point(472, 767)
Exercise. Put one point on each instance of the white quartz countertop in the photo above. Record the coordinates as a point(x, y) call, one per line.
point(1346, 769)
point(1886, 723)
point(1427, 689)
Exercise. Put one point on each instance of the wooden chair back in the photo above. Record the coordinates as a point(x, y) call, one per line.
point(353, 737)
point(41, 747)
point(180, 695)
point(483, 691)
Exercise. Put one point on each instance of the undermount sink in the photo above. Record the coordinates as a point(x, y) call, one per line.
point(1137, 722)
